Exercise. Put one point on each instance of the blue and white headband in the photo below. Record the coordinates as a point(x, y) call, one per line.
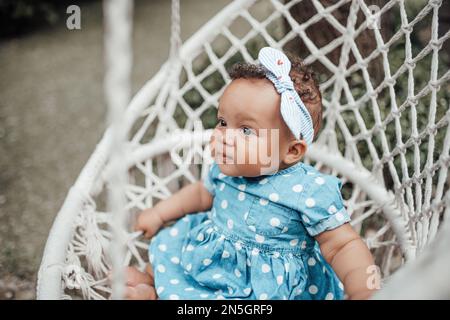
point(293, 110)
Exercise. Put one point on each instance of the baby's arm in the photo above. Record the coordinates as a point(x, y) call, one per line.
point(351, 259)
point(191, 198)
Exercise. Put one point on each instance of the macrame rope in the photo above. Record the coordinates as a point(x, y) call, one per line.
point(118, 51)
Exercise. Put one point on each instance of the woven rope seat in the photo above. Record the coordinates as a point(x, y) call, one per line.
point(385, 131)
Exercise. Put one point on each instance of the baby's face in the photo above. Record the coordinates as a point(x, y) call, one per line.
point(251, 137)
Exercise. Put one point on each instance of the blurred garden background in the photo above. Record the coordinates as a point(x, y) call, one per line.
point(52, 110)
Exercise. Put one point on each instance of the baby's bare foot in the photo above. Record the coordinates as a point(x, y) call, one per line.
point(134, 277)
point(140, 292)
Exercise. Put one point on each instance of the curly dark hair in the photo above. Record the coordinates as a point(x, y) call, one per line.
point(305, 83)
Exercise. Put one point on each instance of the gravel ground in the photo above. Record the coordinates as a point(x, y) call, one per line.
point(52, 115)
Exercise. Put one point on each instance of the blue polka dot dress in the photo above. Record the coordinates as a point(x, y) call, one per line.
point(256, 242)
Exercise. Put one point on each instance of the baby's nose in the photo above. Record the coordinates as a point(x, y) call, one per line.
point(229, 137)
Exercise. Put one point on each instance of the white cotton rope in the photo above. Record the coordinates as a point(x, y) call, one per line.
point(118, 57)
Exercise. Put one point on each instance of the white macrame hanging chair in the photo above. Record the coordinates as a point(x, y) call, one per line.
point(387, 139)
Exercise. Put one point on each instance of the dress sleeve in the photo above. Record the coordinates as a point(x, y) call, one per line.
point(209, 181)
point(321, 205)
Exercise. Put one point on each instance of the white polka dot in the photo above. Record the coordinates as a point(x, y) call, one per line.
point(339, 216)
point(189, 289)
point(341, 285)
point(286, 266)
point(159, 290)
point(329, 296)
point(190, 247)
point(152, 257)
point(230, 224)
point(274, 222)
point(255, 251)
point(246, 215)
point(161, 268)
point(217, 276)
point(237, 273)
point(225, 254)
point(263, 202)
point(222, 186)
point(241, 196)
point(203, 295)
point(319, 180)
point(265, 268)
point(276, 254)
point(221, 175)
point(173, 232)
point(221, 238)
point(311, 261)
point(200, 237)
point(263, 181)
point(293, 242)
point(249, 263)
point(174, 281)
point(189, 267)
point(238, 245)
point(286, 175)
point(263, 296)
point(220, 297)
point(285, 229)
point(259, 238)
point(313, 289)
point(310, 173)
point(162, 247)
point(297, 188)
point(174, 297)
point(279, 279)
point(175, 260)
point(241, 187)
point(209, 230)
point(332, 209)
point(252, 228)
point(274, 197)
point(303, 245)
point(306, 219)
point(247, 290)
point(310, 202)
point(224, 204)
point(207, 262)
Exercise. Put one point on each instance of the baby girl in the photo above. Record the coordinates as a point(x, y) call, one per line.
point(272, 228)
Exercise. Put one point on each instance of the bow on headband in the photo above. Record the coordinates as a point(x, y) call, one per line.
point(293, 110)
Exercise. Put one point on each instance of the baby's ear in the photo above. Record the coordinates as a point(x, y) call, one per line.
point(296, 151)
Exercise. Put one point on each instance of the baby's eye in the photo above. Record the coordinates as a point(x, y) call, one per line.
point(247, 131)
point(221, 123)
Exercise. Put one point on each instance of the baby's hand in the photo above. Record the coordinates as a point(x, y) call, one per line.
point(149, 221)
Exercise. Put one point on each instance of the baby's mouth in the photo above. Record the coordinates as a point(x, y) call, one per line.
point(225, 158)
